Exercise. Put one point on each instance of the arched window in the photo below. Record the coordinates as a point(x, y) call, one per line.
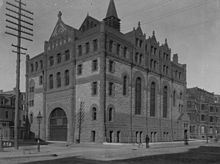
point(138, 96)
point(51, 81)
point(125, 83)
point(94, 113)
point(110, 114)
point(67, 77)
point(174, 98)
point(165, 99)
point(58, 79)
point(153, 99)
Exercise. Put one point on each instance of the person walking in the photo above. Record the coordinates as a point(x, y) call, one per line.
point(147, 139)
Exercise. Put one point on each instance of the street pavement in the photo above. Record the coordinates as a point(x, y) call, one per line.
point(102, 152)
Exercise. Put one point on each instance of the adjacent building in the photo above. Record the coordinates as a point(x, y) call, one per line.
point(204, 114)
point(7, 114)
point(97, 84)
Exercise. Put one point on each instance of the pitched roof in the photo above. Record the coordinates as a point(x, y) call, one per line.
point(111, 10)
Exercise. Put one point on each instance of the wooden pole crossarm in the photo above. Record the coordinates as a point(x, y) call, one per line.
point(19, 47)
point(18, 13)
point(22, 53)
point(19, 19)
point(12, 28)
point(18, 36)
point(20, 8)
point(18, 25)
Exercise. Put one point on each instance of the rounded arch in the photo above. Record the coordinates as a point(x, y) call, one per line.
point(58, 125)
point(140, 75)
point(94, 111)
point(110, 112)
point(150, 81)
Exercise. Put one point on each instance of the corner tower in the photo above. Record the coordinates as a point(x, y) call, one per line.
point(111, 18)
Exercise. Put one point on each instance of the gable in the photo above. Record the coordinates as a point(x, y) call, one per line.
point(89, 23)
point(59, 29)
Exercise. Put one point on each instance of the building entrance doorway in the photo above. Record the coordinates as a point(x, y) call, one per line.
point(58, 125)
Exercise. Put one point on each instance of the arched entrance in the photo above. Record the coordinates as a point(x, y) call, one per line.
point(58, 125)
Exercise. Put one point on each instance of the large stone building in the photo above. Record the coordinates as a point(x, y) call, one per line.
point(204, 114)
point(7, 113)
point(98, 84)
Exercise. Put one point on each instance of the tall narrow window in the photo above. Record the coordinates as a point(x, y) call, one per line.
point(125, 81)
point(41, 64)
point(51, 61)
point(174, 98)
point(140, 59)
point(110, 88)
point(40, 80)
point(67, 55)
point(51, 81)
point(165, 99)
point(111, 66)
point(110, 114)
point(36, 66)
point(79, 69)
point(32, 68)
point(58, 58)
point(138, 96)
point(80, 50)
point(118, 49)
point(118, 136)
point(94, 88)
point(95, 45)
point(67, 77)
point(87, 47)
point(58, 79)
point(125, 52)
point(110, 45)
point(93, 136)
point(153, 99)
point(6, 114)
point(136, 57)
point(94, 113)
point(95, 65)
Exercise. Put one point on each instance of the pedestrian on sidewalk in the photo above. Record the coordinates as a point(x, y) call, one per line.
point(147, 139)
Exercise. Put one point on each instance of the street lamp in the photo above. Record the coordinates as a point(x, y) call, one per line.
point(39, 118)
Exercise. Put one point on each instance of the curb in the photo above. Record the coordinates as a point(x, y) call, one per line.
point(30, 156)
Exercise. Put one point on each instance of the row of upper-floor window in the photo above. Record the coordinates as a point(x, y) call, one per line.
point(93, 68)
point(87, 48)
point(114, 47)
point(58, 58)
point(58, 78)
point(204, 117)
point(37, 65)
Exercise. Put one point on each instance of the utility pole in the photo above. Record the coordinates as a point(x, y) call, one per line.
point(20, 22)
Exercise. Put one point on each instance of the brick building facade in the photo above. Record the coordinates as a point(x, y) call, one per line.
point(204, 114)
point(101, 85)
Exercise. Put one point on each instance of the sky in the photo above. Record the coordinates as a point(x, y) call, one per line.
point(192, 28)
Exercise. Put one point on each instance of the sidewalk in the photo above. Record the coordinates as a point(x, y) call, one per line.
point(102, 152)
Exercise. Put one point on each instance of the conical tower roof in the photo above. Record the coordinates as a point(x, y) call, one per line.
point(111, 10)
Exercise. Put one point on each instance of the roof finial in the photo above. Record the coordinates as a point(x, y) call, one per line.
point(59, 14)
point(139, 24)
point(153, 33)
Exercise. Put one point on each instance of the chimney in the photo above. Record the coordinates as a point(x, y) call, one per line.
point(175, 58)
